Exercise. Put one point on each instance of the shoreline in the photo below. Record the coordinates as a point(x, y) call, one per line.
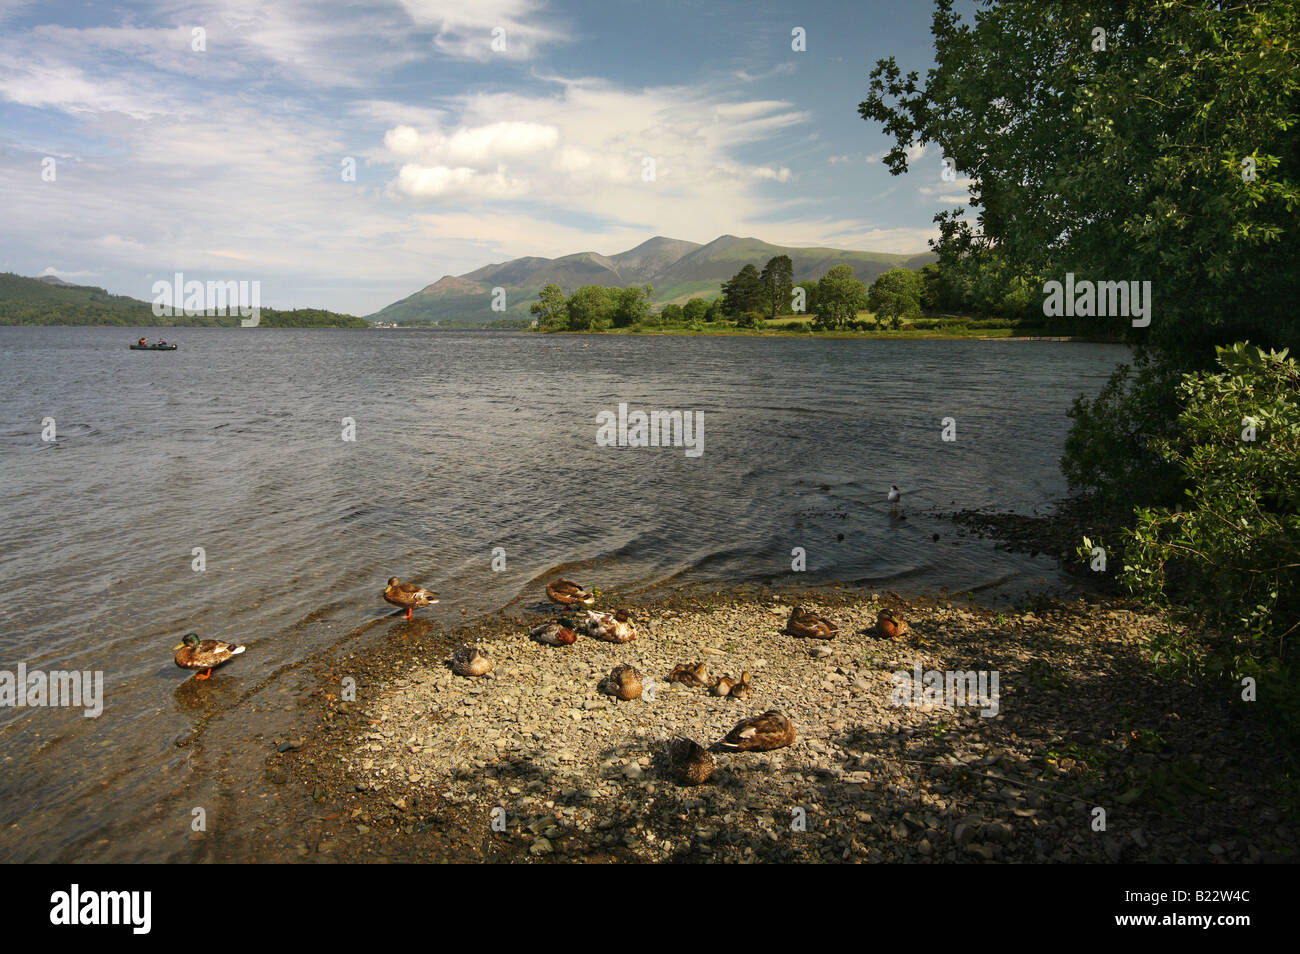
point(414, 768)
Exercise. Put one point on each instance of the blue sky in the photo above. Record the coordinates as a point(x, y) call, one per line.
point(226, 162)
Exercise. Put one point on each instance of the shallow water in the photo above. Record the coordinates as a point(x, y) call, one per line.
point(464, 442)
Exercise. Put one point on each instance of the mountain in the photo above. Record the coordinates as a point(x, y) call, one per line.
point(678, 271)
point(52, 301)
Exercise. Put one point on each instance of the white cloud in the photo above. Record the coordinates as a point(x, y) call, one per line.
point(465, 30)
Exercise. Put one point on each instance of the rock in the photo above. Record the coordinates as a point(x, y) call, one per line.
point(540, 846)
point(983, 852)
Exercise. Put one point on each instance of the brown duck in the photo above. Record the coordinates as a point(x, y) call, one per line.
point(771, 730)
point(567, 593)
point(470, 661)
point(890, 625)
point(690, 762)
point(208, 654)
point(623, 682)
point(804, 622)
point(697, 675)
point(409, 596)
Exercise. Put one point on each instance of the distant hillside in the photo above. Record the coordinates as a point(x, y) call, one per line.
point(52, 301)
point(678, 271)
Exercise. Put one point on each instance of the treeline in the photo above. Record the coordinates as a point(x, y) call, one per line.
point(936, 296)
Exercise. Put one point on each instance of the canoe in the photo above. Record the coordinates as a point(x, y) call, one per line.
point(137, 347)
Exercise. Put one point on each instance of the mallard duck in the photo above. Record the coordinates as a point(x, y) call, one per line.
point(771, 730)
point(408, 596)
point(723, 686)
point(890, 625)
point(697, 675)
point(690, 762)
point(562, 632)
point(193, 653)
point(613, 627)
point(567, 593)
point(623, 682)
point(470, 661)
point(804, 622)
point(742, 690)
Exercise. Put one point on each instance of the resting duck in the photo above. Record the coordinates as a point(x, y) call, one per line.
point(559, 633)
point(771, 730)
point(742, 689)
point(690, 762)
point(567, 593)
point(408, 596)
point(723, 686)
point(470, 661)
point(697, 675)
point(803, 622)
point(613, 627)
point(206, 654)
point(890, 625)
point(623, 682)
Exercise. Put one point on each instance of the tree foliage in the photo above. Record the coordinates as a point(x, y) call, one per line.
point(839, 296)
point(777, 278)
point(895, 295)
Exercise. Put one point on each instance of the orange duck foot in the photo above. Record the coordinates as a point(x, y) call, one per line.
point(203, 675)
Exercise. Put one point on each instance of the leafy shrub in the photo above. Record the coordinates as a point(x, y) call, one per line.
point(1228, 559)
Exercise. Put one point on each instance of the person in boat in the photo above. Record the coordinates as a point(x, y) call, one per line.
point(142, 341)
point(161, 342)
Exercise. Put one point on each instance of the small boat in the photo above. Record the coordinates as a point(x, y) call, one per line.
point(153, 347)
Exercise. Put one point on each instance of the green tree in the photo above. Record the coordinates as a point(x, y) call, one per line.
point(631, 305)
point(715, 311)
point(742, 293)
point(672, 314)
point(895, 295)
point(839, 293)
point(591, 308)
point(1124, 163)
point(551, 309)
point(777, 278)
point(695, 309)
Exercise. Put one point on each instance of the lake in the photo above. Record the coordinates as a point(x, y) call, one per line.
point(258, 482)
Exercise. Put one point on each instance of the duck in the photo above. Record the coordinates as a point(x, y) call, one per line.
point(409, 596)
point(697, 675)
point(623, 682)
point(889, 624)
point(690, 762)
point(771, 730)
point(895, 495)
point(562, 632)
point(470, 661)
point(804, 622)
point(742, 689)
point(723, 686)
point(208, 654)
point(567, 593)
point(613, 627)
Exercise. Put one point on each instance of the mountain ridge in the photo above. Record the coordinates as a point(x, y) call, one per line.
point(678, 270)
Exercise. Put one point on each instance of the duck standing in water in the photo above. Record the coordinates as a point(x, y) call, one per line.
point(193, 653)
point(613, 627)
point(408, 596)
point(895, 495)
point(567, 593)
